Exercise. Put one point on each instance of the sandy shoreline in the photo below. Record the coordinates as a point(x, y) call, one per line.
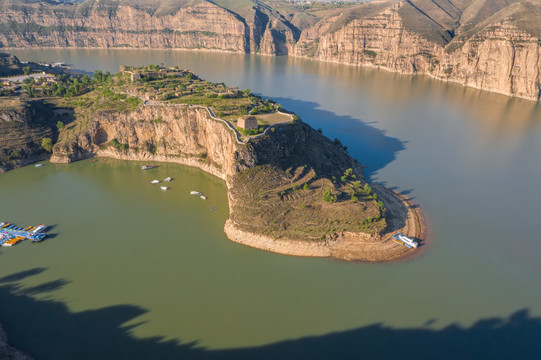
point(404, 217)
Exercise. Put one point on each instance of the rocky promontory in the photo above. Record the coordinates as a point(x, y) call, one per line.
point(291, 190)
point(490, 45)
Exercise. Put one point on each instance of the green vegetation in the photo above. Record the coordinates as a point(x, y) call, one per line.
point(119, 146)
point(60, 126)
point(328, 195)
point(27, 70)
point(370, 53)
point(47, 144)
point(269, 203)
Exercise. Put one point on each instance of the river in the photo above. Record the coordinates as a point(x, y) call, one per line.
point(131, 271)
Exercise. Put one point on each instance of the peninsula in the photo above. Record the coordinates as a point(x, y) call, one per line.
point(291, 190)
point(491, 45)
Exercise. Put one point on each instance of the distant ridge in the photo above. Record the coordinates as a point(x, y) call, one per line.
point(493, 45)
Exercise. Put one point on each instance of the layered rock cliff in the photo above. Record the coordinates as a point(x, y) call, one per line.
point(190, 135)
point(500, 54)
point(493, 45)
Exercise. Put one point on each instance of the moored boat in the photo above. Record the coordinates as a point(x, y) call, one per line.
point(402, 239)
point(148, 167)
point(168, 179)
point(154, 182)
point(164, 187)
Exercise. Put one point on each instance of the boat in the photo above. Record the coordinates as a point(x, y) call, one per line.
point(38, 165)
point(212, 208)
point(402, 239)
point(198, 194)
point(168, 179)
point(148, 167)
point(164, 188)
point(154, 182)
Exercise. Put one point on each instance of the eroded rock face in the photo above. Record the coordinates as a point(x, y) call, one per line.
point(23, 125)
point(201, 26)
point(501, 58)
point(190, 135)
point(494, 46)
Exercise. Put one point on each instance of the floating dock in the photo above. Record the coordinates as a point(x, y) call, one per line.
point(11, 234)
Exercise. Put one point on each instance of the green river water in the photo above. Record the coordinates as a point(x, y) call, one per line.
point(130, 271)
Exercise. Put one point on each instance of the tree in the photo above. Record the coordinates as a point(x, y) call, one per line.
point(47, 144)
point(60, 125)
point(27, 70)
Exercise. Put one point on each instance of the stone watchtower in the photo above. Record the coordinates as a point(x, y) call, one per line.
point(247, 122)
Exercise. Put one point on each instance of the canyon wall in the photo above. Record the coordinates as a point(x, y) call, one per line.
point(492, 45)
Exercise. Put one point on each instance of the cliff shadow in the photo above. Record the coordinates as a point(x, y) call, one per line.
point(366, 143)
point(51, 331)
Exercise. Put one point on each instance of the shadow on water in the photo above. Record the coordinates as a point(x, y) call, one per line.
point(365, 143)
point(51, 331)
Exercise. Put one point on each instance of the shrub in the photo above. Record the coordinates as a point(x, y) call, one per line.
point(60, 125)
point(328, 195)
point(27, 70)
point(305, 187)
point(367, 189)
point(47, 144)
point(370, 53)
point(295, 187)
point(354, 198)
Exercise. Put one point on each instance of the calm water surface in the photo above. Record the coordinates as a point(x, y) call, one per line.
point(150, 273)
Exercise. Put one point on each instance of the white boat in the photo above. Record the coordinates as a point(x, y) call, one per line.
point(148, 167)
point(404, 240)
point(168, 179)
point(155, 182)
point(198, 194)
point(164, 187)
point(38, 165)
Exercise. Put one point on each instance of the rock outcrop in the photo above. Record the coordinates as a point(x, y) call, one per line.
point(190, 135)
point(23, 125)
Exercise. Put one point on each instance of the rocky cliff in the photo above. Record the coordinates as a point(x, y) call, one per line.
point(23, 125)
point(500, 54)
point(190, 135)
point(488, 44)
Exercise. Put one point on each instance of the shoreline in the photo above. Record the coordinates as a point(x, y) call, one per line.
point(347, 246)
point(361, 65)
point(344, 246)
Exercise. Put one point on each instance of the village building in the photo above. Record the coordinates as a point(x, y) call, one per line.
point(247, 122)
